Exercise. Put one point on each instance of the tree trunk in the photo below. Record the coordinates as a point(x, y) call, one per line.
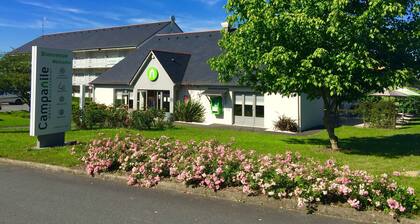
point(330, 120)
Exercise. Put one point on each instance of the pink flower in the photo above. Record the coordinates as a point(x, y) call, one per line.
point(329, 163)
point(396, 173)
point(343, 180)
point(219, 171)
point(393, 204)
point(401, 208)
point(246, 189)
point(410, 191)
point(131, 180)
point(247, 167)
point(344, 190)
point(301, 202)
point(354, 203)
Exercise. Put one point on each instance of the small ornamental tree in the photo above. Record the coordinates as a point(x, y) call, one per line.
point(15, 75)
point(337, 50)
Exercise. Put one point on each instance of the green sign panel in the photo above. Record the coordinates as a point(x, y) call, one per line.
point(216, 105)
point(152, 73)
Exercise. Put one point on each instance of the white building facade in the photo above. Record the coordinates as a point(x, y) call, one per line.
point(155, 65)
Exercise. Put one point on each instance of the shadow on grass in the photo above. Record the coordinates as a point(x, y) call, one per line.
point(14, 130)
point(387, 146)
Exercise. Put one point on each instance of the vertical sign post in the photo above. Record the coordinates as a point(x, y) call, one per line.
point(51, 88)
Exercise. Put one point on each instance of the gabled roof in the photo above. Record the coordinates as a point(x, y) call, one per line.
point(113, 37)
point(201, 46)
point(174, 64)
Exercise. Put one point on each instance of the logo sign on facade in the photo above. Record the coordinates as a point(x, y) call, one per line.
point(152, 74)
point(216, 104)
point(51, 88)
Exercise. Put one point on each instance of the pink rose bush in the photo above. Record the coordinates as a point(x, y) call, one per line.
point(216, 166)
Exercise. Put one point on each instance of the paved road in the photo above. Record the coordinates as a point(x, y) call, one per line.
point(5, 107)
point(33, 196)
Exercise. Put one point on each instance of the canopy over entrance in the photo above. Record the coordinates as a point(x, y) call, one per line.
point(400, 92)
point(215, 92)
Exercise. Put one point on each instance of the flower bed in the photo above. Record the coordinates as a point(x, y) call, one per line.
point(217, 166)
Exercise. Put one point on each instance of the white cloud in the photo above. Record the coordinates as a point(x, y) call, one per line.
point(36, 24)
point(188, 23)
point(53, 7)
point(142, 20)
point(210, 2)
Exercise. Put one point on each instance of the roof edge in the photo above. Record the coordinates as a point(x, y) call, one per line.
point(186, 33)
point(106, 28)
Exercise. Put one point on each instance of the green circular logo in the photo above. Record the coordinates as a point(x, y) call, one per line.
point(152, 73)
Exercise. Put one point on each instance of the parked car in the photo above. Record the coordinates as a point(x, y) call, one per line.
point(10, 98)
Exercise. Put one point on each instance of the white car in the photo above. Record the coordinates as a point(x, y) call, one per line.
point(10, 98)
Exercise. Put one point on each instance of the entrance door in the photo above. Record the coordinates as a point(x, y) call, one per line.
point(249, 109)
point(158, 99)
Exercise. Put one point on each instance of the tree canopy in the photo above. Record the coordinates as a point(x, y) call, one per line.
point(15, 75)
point(337, 50)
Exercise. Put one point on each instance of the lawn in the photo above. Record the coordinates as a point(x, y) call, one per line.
point(13, 119)
point(374, 150)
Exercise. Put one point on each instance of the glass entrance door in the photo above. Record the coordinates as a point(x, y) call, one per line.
point(158, 99)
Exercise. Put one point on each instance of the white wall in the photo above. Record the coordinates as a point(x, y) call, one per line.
point(276, 105)
point(104, 95)
point(311, 113)
point(197, 94)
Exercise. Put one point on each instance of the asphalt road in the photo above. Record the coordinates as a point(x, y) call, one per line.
point(5, 107)
point(34, 196)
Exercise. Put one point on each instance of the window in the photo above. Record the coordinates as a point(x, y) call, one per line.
point(123, 97)
point(259, 106)
point(237, 110)
point(157, 99)
point(249, 105)
point(166, 101)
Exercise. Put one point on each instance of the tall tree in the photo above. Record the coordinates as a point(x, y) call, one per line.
point(337, 50)
point(15, 75)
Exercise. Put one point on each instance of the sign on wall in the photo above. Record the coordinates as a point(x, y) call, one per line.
point(152, 73)
point(51, 88)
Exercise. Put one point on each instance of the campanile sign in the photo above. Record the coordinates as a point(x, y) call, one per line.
point(51, 88)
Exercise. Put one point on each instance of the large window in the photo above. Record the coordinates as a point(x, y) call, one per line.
point(259, 106)
point(153, 99)
point(123, 97)
point(238, 105)
point(249, 105)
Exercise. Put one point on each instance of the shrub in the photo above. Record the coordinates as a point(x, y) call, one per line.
point(190, 111)
point(217, 166)
point(118, 117)
point(409, 105)
point(379, 114)
point(93, 115)
point(149, 119)
point(101, 116)
point(286, 124)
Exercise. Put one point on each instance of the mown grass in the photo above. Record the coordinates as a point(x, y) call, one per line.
point(13, 119)
point(374, 150)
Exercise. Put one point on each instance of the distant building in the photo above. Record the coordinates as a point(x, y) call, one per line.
point(96, 51)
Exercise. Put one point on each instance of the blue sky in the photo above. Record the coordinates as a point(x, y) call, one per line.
point(21, 20)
